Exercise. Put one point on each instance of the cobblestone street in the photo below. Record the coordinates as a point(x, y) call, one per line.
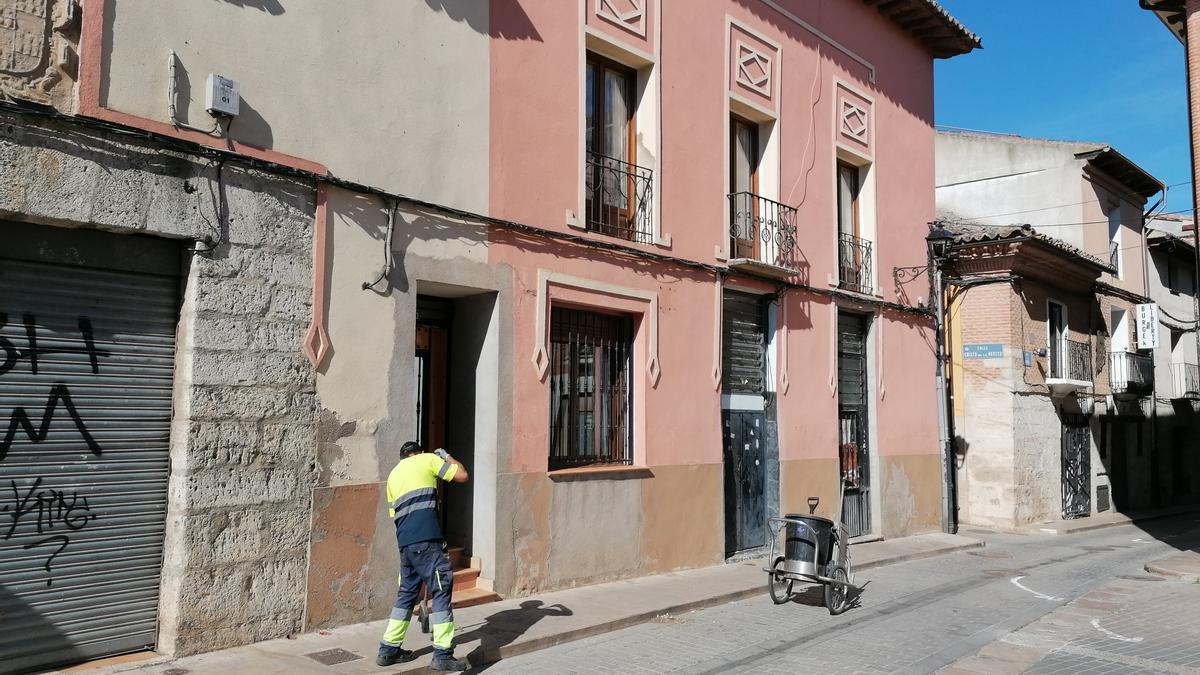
point(1031, 603)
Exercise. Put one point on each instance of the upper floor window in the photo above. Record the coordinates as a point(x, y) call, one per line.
point(617, 189)
point(1057, 346)
point(590, 392)
point(854, 251)
point(743, 184)
point(1114, 239)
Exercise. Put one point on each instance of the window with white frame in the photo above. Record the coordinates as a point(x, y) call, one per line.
point(1057, 343)
point(617, 190)
point(1114, 239)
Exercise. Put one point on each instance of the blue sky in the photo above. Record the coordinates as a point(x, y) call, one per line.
point(1090, 70)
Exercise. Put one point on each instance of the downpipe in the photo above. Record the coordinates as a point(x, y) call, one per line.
point(949, 482)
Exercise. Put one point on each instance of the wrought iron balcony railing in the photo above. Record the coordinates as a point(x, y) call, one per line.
point(1186, 380)
point(618, 198)
point(854, 263)
point(1073, 362)
point(1130, 373)
point(762, 230)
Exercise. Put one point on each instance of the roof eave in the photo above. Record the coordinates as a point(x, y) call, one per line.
point(1113, 163)
point(930, 24)
point(1171, 14)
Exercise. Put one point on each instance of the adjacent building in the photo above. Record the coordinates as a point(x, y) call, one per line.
point(629, 260)
point(1063, 405)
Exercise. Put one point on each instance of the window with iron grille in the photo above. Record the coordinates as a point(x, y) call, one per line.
point(590, 394)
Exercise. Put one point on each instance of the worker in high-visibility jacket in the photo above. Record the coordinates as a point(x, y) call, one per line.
point(412, 503)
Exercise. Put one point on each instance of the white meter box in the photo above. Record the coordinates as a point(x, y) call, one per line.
point(221, 96)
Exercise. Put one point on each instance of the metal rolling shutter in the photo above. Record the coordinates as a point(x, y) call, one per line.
point(86, 367)
point(743, 362)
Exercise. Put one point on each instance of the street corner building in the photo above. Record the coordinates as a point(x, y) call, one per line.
point(1070, 332)
point(630, 261)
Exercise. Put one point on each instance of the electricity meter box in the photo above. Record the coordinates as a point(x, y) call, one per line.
point(221, 96)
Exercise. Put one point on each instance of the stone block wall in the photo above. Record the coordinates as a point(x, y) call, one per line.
point(243, 455)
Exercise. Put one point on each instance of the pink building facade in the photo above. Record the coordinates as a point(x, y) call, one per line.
point(753, 172)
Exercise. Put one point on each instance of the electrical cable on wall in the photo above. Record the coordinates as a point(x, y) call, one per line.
point(210, 243)
point(172, 111)
point(388, 256)
point(217, 154)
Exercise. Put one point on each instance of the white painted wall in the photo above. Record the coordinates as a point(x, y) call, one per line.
point(1006, 180)
point(394, 94)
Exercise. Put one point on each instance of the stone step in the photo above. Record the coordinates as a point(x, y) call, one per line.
point(458, 561)
point(473, 596)
point(465, 578)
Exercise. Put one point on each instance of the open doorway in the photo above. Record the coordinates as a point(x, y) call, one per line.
point(456, 371)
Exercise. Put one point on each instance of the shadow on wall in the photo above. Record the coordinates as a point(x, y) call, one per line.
point(37, 637)
point(248, 127)
point(370, 213)
point(913, 99)
point(272, 7)
point(507, 20)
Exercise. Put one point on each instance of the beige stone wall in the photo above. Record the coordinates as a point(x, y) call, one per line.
point(983, 402)
point(39, 58)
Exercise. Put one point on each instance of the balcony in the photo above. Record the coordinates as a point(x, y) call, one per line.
point(762, 235)
point(1130, 374)
point(618, 198)
point(854, 264)
point(1186, 380)
point(1070, 368)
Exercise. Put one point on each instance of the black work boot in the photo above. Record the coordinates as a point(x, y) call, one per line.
point(389, 655)
point(448, 663)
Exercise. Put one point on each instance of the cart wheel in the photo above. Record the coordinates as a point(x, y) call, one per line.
point(837, 596)
point(778, 586)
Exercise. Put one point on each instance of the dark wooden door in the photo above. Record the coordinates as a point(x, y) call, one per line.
point(745, 480)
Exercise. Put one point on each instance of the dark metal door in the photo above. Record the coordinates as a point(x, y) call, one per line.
point(853, 451)
point(1076, 469)
point(743, 354)
point(86, 373)
point(745, 480)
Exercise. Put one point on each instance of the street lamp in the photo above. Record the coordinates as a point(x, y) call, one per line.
point(938, 241)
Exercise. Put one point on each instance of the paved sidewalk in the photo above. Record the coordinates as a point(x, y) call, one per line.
point(1185, 566)
point(511, 627)
point(1127, 625)
point(1109, 519)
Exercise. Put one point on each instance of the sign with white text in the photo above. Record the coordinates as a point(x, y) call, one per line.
point(1147, 326)
point(983, 351)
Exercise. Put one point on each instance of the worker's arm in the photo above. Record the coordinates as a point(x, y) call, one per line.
point(459, 474)
point(460, 471)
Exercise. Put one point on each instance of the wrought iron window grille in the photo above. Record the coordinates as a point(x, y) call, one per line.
point(762, 229)
point(618, 198)
point(590, 392)
point(854, 263)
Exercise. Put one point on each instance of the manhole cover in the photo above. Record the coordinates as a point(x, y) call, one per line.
point(1004, 573)
point(990, 555)
point(332, 657)
point(1140, 577)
